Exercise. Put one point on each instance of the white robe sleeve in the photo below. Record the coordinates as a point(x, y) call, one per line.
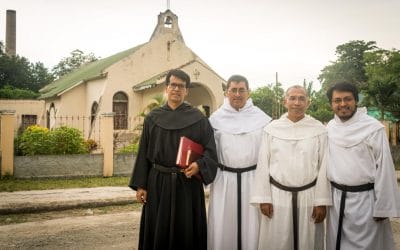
point(387, 201)
point(323, 188)
point(260, 191)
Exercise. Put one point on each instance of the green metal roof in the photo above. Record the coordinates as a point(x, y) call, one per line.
point(155, 80)
point(150, 83)
point(93, 70)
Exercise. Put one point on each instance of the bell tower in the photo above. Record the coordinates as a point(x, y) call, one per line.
point(167, 23)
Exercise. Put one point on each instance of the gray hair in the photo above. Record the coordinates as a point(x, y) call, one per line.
point(295, 87)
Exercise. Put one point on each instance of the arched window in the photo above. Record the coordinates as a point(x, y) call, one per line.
point(51, 117)
point(120, 108)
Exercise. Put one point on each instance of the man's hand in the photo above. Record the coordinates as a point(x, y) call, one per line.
point(141, 195)
point(191, 170)
point(267, 209)
point(319, 214)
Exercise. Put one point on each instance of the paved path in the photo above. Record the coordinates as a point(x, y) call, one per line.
point(59, 199)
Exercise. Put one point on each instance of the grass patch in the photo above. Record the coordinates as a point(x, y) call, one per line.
point(10, 184)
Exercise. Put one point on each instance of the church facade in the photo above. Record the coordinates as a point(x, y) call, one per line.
point(127, 82)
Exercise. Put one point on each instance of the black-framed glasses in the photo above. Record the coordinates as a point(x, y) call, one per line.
point(177, 86)
point(241, 91)
point(346, 99)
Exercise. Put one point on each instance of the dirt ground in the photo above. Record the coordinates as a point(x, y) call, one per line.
point(114, 229)
point(100, 228)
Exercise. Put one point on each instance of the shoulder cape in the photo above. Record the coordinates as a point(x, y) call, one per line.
point(285, 129)
point(182, 117)
point(247, 119)
point(353, 131)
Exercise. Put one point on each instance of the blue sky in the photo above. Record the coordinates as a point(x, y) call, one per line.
point(255, 38)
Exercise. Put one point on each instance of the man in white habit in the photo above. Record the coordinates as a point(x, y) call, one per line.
point(291, 187)
point(232, 222)
point(362, 175)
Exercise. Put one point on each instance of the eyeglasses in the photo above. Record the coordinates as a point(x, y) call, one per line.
point(241, 91)
point(346, 99)
point(298, 98)
point(176, 86)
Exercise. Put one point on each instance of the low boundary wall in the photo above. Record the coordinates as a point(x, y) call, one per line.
point(59, 166)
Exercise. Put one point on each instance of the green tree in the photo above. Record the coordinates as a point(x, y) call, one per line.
point(40, 76)
point(309, 88)
point(319, 106)
point(269, 99)
point(14, 71)
point(74, 61)
point(21, 75)
point(383, 89)
point(349, 65)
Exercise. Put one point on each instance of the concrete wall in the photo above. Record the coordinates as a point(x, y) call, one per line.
point(50, 166)
point(123, 164)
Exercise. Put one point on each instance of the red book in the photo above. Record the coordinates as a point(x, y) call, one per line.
point(188, 152)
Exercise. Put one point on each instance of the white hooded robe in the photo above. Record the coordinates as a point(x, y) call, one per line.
point(237, 136)
point(294, 154)
point(359, 153)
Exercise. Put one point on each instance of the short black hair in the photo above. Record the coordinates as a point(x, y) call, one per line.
point(237, 78)
point(179, 74)
point(343, 87)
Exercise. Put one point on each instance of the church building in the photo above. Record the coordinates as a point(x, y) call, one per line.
point(127, 82)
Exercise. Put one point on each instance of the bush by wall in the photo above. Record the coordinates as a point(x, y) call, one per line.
point(67, 140)
point(130, 148)
point(36, 140)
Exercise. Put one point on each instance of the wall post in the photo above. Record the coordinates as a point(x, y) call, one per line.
point(7, 142)
point(107, 143)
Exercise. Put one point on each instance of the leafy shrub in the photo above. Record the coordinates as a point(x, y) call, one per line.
point(67, 140)
point(130, 148)
point(35, 140)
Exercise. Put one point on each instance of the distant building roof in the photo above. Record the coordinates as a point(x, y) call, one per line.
point(90, 71)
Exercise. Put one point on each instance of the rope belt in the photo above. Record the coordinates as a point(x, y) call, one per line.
point(239, 172)
point(173, 171)
point(345, 189)
point(294, 191)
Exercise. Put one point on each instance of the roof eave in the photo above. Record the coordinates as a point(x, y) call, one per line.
point(102, 75)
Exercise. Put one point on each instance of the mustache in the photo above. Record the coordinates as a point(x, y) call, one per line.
point(345, 108)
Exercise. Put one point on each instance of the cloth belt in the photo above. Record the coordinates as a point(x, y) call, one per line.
point(294, 191)
point(174, 171)
point(345, 189)
point(239, 172)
